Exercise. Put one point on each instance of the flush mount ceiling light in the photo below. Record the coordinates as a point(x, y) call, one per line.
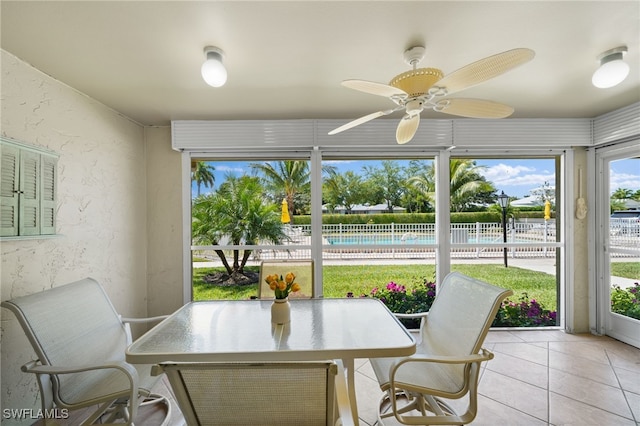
point(613, 70)
point(213, 71)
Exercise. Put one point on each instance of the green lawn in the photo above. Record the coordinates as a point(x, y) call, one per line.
point(626, 270)
point(360, 279)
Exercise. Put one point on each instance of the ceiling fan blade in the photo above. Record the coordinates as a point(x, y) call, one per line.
point(407, 128)
point(375, 88)
point(361, 120)
point(484, 69)
point(473, 108)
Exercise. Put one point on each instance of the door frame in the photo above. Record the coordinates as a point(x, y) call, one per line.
point(617, 326)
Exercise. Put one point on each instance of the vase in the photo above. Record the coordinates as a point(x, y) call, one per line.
point(281, 311)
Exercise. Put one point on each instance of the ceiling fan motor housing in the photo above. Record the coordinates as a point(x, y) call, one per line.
point(417, 82)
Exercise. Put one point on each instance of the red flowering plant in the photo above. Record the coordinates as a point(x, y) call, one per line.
point(525, 313)
point(401, 300)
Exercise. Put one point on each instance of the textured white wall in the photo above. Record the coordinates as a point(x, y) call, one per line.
point(164, 204)
point(102, 223)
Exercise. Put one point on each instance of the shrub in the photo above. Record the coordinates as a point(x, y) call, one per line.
point(403, 301)
point(626, 301)
point(399, 299)
point(525, 313)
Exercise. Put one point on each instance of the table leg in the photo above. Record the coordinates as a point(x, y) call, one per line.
point(351, 385)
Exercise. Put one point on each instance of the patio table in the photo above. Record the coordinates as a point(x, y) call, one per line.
point(320, 329)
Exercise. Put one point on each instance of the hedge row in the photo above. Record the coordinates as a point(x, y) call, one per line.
point(385, 218)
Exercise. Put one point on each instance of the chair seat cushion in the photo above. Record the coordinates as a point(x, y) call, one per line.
point(445, 378)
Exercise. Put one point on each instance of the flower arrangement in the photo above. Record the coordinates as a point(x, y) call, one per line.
point(282, 286)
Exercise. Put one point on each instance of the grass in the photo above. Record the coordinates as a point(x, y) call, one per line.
point(626, 270)
point(360, 279)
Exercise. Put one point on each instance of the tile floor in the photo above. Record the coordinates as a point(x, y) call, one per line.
point(539, 377)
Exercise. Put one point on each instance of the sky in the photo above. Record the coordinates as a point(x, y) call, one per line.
point(517, 177)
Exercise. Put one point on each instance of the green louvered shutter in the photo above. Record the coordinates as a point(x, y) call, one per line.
point(49, 198)
point(9, 191)
point(30, 193)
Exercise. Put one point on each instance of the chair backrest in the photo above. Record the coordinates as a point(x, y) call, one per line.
point(461, 315)
point(231, 394)
point(303, 269)
point(71, 324)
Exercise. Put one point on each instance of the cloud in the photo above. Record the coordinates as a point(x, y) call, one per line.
point(624, 180)
point(227, 169)
point(518, 175)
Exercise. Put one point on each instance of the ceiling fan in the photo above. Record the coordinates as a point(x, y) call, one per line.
point(421, 88)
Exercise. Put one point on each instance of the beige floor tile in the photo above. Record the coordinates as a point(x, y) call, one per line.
point(623, 355)
point(548, 336)
point(368, 394)
point(589, 392)
point(593, 351)
point(526, 351)
point(492, 413)
point(566, 411)
point(629, 380)
point(634, 403)
point(519, 395)
point(586, 377)
point(495, 336)
point(581, 367)
point(520, 369)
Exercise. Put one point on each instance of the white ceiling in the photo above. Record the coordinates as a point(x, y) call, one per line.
point(286, 59)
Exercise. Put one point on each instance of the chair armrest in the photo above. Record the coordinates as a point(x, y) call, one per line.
point(342, 397)
point(141, 320)
point(36, 368)
point(414, 315)
point(128, 321)
point(127, 369)
point(484, 355)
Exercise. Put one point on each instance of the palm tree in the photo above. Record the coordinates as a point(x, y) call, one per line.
point(203, 175)
point(622, 194)
point(236, 213)
point(286, 179)
point(466, 184)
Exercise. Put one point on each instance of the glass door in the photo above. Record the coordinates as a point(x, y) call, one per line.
point(618, 251)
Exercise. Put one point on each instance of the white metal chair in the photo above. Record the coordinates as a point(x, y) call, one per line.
point(303, 269)
point(448, 357)
point(286, 393)
point(80, 342)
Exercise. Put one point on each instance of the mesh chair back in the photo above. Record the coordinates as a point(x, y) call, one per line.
point(97, 334)
point(296, 394)
point(461, 315)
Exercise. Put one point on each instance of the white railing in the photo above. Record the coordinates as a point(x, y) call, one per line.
point(418, 241)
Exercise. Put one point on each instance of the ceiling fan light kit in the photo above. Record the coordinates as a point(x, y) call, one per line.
point(213, 71)
point(421, 88)
point(613, 70)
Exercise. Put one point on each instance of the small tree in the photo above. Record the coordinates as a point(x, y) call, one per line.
point(236, 214)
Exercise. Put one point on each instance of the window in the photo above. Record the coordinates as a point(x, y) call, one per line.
point(27, 190)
